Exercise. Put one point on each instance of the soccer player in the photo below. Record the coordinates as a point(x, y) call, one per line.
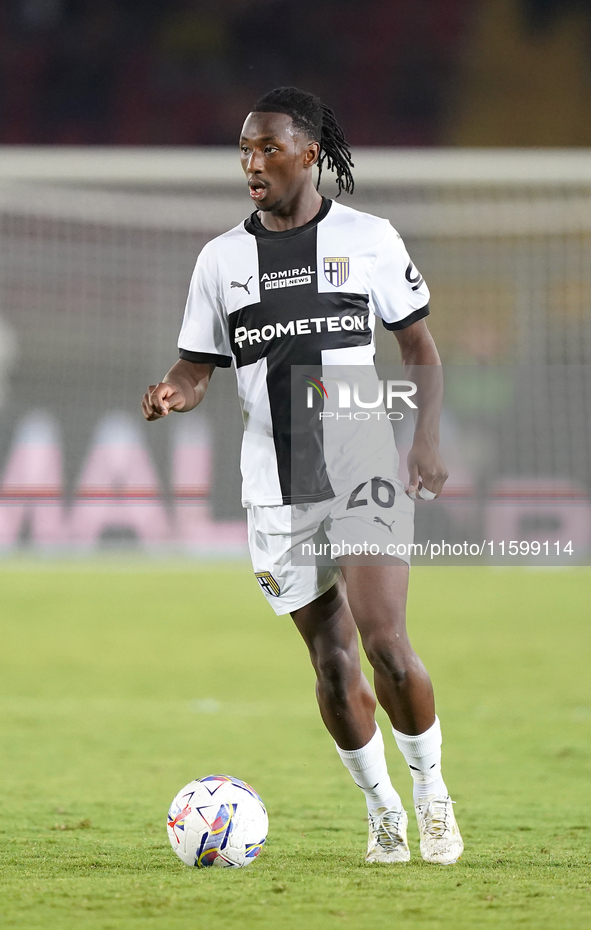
point(300, 282)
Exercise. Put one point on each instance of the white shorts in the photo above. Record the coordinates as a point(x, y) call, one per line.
point(377, 517)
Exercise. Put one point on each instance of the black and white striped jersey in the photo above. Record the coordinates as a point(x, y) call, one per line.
point(306, 296)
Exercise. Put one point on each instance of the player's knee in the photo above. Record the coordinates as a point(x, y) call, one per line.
point(388, 659)
point(335, 669)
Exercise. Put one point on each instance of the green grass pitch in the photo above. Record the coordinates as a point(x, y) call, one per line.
point(120, 683)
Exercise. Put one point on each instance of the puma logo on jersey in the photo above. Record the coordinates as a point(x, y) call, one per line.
point(238, 284)
point(383, 522)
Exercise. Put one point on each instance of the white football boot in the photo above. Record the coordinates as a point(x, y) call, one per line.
point(440, 837)
point(387, 836)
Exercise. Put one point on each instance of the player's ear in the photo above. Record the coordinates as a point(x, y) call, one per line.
point(311, 154)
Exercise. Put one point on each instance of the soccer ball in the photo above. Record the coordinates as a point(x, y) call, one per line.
point(217, 820)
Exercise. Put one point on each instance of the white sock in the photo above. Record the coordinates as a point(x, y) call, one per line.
point(370, 773)
point(423, 757)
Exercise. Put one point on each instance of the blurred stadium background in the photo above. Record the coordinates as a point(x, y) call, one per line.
point(118, 121)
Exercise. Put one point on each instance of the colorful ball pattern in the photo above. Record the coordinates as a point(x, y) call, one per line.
point(217, 820)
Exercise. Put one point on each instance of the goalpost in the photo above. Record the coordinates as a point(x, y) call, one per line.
point(97, 248)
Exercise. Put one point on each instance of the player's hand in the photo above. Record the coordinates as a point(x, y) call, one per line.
point(426, 469)
point(160, 399)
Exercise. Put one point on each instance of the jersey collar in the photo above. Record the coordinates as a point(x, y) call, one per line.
point(254, 226)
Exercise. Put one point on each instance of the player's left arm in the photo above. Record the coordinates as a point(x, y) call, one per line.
point(423, 366)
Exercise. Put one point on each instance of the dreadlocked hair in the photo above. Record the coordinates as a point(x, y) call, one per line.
point(318, 121)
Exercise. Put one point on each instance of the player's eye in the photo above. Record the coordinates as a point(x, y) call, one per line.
point(244, 149)
point(270, 149)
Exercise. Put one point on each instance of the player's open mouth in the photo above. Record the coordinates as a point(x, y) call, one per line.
point(257, 190)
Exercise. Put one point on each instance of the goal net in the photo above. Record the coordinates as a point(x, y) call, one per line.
point(97, 249)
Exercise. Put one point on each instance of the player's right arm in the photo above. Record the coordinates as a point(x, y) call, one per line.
point(204, 342)
point(181, 390)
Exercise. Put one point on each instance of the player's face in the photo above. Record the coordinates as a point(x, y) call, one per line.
point(277, 159)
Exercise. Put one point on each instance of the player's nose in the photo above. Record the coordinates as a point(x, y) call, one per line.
point(254, 162)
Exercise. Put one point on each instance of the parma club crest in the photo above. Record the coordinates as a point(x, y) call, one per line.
point(336, 270)
point(268, 583)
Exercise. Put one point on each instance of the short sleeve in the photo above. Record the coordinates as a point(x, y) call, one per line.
point(204, 333)
point(398, 290)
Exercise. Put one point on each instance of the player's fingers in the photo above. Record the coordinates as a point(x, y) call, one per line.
point(413, 479)
point(160, 396)
point(148, 410)
point(173, 401)
point(152, 403)
point(150, 396)
point(436, 485)
point(433, 484)
point(176, 402)
point(146, 404)
point(166, 397)
point(425, 494)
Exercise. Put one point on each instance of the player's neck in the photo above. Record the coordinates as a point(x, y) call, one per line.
point(300, 211)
